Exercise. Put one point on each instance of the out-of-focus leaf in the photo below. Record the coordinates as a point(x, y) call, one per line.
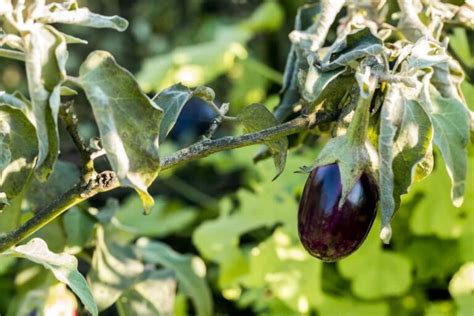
point(5, 6)
point(150, 297)
point(46, 55)
point(405, 136)
point(195, 65)
point(257, 117)
point(190, 272)
point(375, 273)
point(172, 101)
point(63, 266)
point(450, 120)
point(349, 307)
point(434, 214)
point(461, 287)
point(281, 265)
point(129, 122)
point(67, 92)
point(114, 270)
point(79, 228)
point(164, 219)
point(267, 17)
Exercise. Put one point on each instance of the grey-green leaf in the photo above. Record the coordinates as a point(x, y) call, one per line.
point(172, 101)
point(190, 272)
point(63, 266)
point(46, 55)
point(257, 117)
point(19, 147)
point(450, 120)
point(129, 122)
point(405, 137)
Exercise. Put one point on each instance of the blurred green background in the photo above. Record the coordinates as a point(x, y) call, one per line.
point(236, 226)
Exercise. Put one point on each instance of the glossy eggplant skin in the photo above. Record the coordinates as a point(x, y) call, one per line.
point(330, 232)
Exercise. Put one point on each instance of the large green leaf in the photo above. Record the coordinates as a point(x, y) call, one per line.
point(450, 120)
point(63, 266)
point(405, 137)
point(165, 218)
point(172, 101)
point(114, 270)
point(46, 55)
point(129, 122)
point(257, 117)
point(376, 273)
point(190, 272)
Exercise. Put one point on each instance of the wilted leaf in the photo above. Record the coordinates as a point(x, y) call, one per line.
point(190, 272)
point(172, 101)
point(46, 55)
point(356, 45)
point(450, 120)
point(129, 122)
point(405, 136)
point(151, 297)
point(257, 117)
point(114, 270)
point(63, 266)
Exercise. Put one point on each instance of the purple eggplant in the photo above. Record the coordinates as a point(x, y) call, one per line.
point(330, 232)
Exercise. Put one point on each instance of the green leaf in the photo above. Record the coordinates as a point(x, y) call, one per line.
point(450, 120)
point(79, 228)
point(69, 13)
point(268, 16)
point(461, 287)
point(114, 270)
point(150, 297)
point(376, 273)
point(405, 137)
point(197, 64)
point(164, 219)
point(18, 149)
point(129, 122)
point(350, 307)
point(257, 117)
point(46, 55)
point(190, 272)
point(354, 46)
point(63, 266)
point(435, 214)
point(171, 100)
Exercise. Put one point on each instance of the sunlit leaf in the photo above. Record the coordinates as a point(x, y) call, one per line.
point(190, 272)
point(461, 287)
point(129, 122)
point(63, 266)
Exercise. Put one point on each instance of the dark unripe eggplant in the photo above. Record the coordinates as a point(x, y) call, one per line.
point(330, 232)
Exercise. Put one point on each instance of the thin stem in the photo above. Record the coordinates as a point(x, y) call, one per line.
point(107, 180)
point(12, 54)
point(70, 120)
point(74, 80)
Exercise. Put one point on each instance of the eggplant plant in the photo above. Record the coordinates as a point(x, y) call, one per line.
point(381, 78)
